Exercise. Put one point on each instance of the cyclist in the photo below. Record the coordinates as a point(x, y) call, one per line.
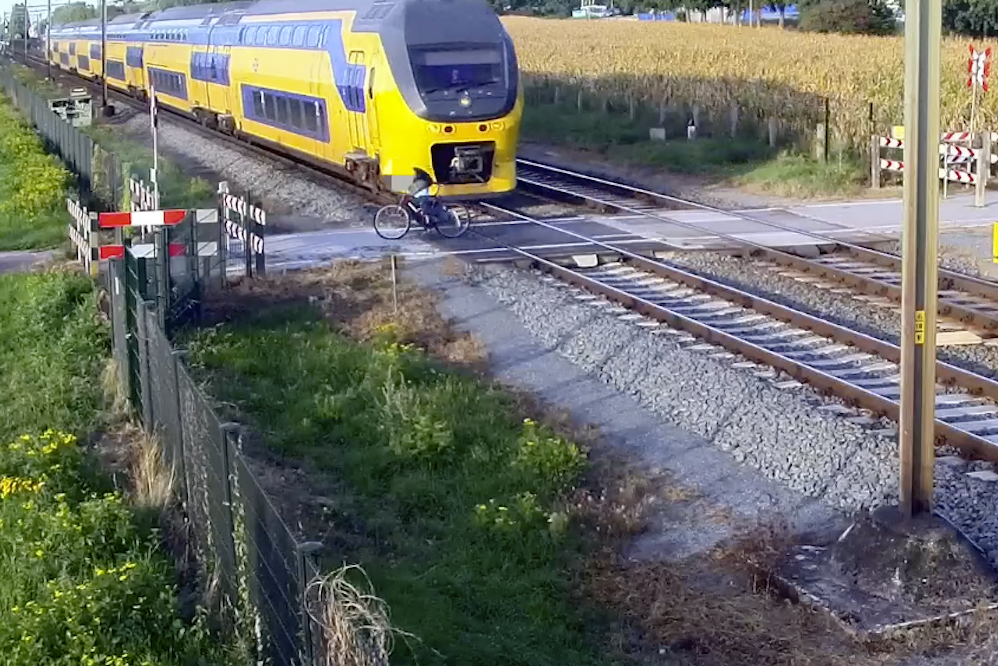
point(420, 192)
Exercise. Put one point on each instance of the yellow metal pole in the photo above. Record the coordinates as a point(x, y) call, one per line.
point(923, 28)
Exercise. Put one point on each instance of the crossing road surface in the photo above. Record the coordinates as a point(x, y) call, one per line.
point(855, 221)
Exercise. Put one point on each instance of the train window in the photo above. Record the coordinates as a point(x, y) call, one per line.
point(258, 104)
point(446, 69)
point(272, 35)
point(286, 36)
point(269, 110)
point(313, 37)
point(282, 109)
point(311, 111)
point(294, 108)
point(299, 38)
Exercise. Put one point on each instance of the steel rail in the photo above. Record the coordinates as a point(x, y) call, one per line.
point(948, 374)
point(979, 317)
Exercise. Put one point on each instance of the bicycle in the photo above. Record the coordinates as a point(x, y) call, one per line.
point(393, 221)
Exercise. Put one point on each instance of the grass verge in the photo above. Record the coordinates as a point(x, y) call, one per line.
point(85, 579)
point(32, 188)
point(459, 503)
point(741, 162)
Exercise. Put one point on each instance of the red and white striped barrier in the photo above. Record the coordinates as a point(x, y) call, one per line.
point(944, 149)
point(118, 251)
point(948, 174)
point(144, 218)
point(959, 137)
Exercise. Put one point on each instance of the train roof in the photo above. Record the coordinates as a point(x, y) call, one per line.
point(369, 12)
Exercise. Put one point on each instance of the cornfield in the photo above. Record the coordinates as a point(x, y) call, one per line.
point(767, 72)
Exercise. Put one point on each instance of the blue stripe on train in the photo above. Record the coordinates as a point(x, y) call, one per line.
point(349, 78)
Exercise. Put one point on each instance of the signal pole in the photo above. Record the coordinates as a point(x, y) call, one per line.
point(919, 272)
point(103, 55)
point(48, 41)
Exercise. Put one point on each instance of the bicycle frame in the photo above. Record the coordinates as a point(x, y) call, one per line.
point(409, 203)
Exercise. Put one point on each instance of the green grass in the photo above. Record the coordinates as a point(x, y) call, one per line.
point(741, 161)
point(32, 188)
point(456, 494)
point(51, 350)
point(84, 581)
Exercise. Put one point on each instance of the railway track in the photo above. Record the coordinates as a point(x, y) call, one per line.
point(770, 337)
point(968, 306)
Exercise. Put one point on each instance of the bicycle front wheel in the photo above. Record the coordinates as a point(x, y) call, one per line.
point(392, 222)
point(453, 221)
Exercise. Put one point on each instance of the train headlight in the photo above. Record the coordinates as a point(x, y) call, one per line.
point(465, 101)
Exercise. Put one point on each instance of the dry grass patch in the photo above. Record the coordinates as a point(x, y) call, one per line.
point(359, 299)
point(354, 622)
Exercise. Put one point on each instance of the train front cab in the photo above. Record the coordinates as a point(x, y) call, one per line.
point(455, 104)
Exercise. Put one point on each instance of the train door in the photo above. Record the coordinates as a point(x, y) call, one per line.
point(374, 131)
point(314, 121)
point(219, 99)
point(355, 92)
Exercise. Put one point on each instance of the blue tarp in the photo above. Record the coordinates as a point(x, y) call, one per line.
point(767, 14)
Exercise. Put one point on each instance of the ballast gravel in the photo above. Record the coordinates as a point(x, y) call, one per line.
point(842, 309)
point(283, 189)
point(792, 435)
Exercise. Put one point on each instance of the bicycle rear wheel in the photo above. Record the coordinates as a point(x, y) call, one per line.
point(392, 222)
point(453, 221)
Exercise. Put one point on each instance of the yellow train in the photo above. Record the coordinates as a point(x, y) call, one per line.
point(375, 88)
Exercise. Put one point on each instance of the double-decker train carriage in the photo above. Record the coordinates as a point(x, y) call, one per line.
point(375, 88)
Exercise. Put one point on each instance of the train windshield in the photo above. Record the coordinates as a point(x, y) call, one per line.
point(457, 69)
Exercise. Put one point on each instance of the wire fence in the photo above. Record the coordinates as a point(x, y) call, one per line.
point(260, 568)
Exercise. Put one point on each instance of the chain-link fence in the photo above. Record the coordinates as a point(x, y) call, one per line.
point(260, 568)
